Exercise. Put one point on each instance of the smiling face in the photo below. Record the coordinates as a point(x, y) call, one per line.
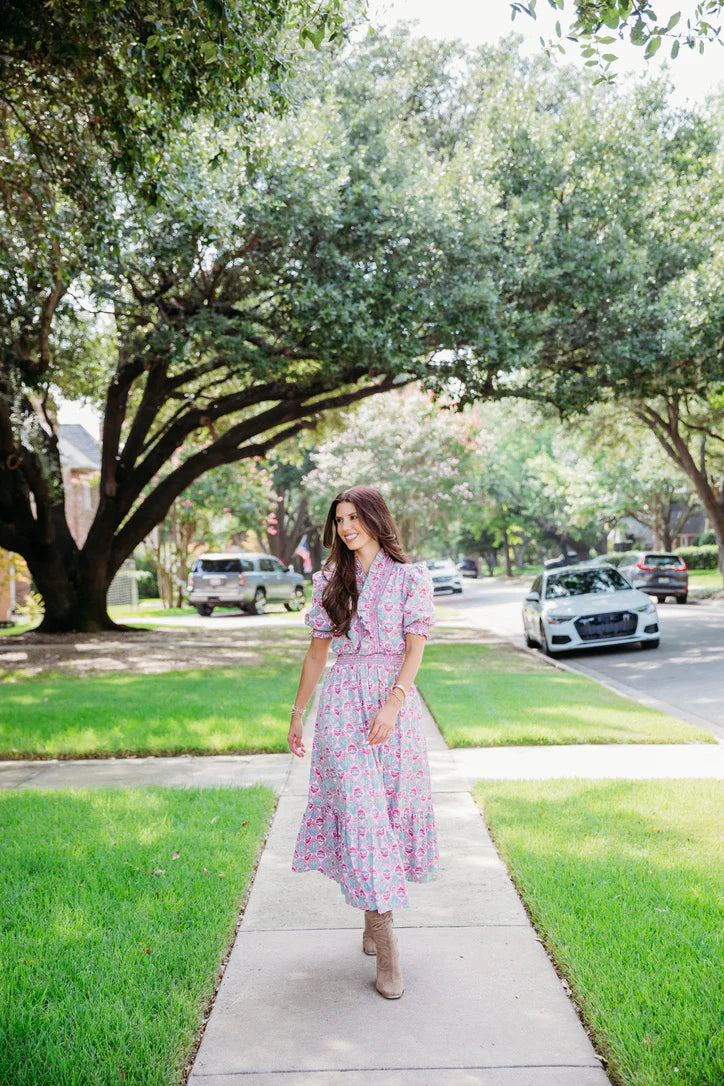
point(351, 528)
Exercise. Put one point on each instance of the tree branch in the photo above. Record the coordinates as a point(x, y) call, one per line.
point(226, 450)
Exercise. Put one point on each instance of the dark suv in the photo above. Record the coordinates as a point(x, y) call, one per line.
point(659, 574)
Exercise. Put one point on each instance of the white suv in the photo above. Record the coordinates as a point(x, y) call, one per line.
point(445, 575)
point(249, 581)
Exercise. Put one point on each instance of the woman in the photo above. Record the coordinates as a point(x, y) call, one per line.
point(369, 822)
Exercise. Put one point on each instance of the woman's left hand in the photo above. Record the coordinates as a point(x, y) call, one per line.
point(383, 724)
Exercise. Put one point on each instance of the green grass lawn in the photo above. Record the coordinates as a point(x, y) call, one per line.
point(624, 881)
point(215, 711)
point(118, 907)
point(706, 578)
point(482, 695)
point(20, 627)
point(132, 616)
point(147, 609)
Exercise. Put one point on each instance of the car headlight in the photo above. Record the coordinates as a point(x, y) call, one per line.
point(555, 619)
point(646, 608)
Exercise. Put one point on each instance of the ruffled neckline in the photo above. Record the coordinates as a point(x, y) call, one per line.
point(370, 588)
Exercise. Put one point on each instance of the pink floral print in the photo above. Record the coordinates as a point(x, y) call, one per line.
point(369, 822)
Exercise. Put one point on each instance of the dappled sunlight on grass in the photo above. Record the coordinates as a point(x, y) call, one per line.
point(490, 696)
point(230, 710)
point(624, 881)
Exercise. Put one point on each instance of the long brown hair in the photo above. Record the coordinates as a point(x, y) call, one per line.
point(339, 597)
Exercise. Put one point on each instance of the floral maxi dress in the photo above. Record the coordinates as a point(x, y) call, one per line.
point(369, 822)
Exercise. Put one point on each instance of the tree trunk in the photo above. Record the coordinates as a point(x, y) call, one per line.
point(506, 552)
point(314, 540)
point(74, 593)
point(668, 433)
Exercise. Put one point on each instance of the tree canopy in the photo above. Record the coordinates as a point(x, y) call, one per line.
point(489, 226)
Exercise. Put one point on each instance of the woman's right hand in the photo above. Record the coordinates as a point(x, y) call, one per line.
point(294, 738)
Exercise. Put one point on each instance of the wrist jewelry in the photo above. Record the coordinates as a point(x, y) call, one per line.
point(399, 686)
point(296, 711)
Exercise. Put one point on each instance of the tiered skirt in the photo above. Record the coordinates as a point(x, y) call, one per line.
point(369, 822)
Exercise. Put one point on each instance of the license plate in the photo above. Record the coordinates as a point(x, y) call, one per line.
point(217, 580)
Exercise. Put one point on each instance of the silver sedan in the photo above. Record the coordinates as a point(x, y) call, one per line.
point(584, 606)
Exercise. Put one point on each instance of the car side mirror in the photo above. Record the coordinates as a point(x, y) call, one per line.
point(532, 597)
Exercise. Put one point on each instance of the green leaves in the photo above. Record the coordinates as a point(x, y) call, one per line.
point(653, 46)
point(610, 17)
point(639, 21)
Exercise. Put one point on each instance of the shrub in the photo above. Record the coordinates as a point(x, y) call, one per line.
point(147, 584)
point(619, 558)
point(700, 557)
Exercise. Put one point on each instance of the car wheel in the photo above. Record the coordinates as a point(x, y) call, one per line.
point(258, 606)
point(530, 641)
point(651, 644)
point(660, 599)
point(297, 601)
point(545, 647)
point(682, 599)
point(205, 609)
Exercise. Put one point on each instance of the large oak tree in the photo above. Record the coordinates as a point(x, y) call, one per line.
point(487, 225)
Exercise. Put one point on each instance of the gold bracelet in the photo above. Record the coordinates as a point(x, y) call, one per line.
point(399, 686)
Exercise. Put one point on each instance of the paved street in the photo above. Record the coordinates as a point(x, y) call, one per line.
point(686, 672)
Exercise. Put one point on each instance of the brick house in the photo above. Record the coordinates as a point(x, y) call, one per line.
point(80, 460)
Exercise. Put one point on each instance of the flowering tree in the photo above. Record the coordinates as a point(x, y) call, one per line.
point(422, 457)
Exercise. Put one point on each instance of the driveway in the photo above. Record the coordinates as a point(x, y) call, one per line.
point(686, 672)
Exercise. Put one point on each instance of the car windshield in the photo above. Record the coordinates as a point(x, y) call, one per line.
point(580, 582)
point(662, 560)
point(439, 563)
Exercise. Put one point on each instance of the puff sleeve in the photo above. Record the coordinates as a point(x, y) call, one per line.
point(316, 617)
point(418, 610)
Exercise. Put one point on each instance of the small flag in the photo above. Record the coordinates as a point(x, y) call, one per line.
point(303, 552)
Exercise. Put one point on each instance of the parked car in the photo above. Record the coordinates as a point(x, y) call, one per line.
point(249, 581)
point(568, 559)
point(469, 567)
point(445, 575)
point(660, 574)
point(579, 606)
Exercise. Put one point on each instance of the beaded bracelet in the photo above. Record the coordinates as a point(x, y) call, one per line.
point(296, 711)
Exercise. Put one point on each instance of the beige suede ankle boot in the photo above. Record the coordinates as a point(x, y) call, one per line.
point(389, 975)
point(368, 939)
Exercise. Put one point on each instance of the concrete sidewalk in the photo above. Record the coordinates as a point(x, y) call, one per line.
point(297, 1004)
point(617, 760)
